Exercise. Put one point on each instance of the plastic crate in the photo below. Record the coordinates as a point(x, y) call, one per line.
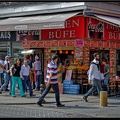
point(74, 92)
point(75, 86)
point(69, 82)
point(65, 92)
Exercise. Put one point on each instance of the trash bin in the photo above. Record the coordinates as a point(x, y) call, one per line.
point(103, 98)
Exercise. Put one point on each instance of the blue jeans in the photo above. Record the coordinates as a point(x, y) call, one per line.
point(106, 84)
point(38, 81)
point(7, 78)
point(96, 85)
point(45, 92)
point(25, 83)
point(1, 79)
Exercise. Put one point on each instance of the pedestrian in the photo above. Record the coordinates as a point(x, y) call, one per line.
point(30, 63)
point(37, 73)
point(51, 81)
point(106, 74)
point(1, 70)
point(94, 76)
point(6, 60)
point(25, 76)
point(16, 77)
point(7, 77)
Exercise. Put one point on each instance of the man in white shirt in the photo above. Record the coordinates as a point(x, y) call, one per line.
point(24, 74)
point(94, 76)
point(1, 70)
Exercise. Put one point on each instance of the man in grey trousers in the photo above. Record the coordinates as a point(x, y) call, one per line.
point(94, 76)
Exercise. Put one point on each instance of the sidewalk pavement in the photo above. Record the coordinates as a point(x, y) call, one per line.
point(73, 104)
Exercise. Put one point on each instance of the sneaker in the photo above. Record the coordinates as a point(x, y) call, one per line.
point(32, 95)
point(40, 104)
point(85, 99)
point(60, 105)
point(13, 96)
point(6, 90)
point(0, 92)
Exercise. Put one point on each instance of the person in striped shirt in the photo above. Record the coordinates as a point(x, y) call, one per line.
point(51, 81)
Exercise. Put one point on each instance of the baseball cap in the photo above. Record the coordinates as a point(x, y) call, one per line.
point(9, 57)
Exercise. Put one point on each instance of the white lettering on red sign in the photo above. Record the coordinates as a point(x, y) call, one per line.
point(60, 34)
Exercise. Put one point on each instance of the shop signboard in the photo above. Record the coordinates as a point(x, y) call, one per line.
point(70, 43)
point(54, 43)
point(94, 28)
point(27, 35)
point(47, 44)
point(7, 36)
point(111, 32)
point(74, 29)
point(86, 43)
point(25, 44)
point(33, 44)
point(94, 43)
point(79, 43)
point(40, 44)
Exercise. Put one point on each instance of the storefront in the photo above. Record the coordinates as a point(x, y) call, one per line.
point(6, 38)
point(82, 36)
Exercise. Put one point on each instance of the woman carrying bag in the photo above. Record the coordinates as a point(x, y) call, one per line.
point(16, 77)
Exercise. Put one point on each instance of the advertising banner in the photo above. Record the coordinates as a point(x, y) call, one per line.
point(7, 36)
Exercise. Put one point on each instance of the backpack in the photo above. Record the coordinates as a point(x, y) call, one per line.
point(98, 66)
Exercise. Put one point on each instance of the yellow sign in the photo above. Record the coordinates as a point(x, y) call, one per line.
point(62, 48)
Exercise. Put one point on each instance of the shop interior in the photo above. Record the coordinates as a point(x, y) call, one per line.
point(66, 56)
point(118, 62)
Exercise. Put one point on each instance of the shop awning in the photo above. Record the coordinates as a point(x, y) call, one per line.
point(111, 20)
point(35, 22)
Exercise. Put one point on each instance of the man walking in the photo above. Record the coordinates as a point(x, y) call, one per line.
point(94, 76)
point(24, 74)
point(7, 76)
point(51, 81)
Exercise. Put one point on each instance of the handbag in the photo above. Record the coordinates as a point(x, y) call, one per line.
point(13, 71)
point(101, 76)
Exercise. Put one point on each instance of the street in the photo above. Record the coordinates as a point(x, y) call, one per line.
point(74, 107)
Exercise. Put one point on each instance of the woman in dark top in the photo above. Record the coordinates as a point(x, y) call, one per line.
point(16, 77)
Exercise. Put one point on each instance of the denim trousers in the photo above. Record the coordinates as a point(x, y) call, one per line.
point(38, 81)
point(45, 92)
point(106, 83)
point(25, 83)
point(1, 79)
point(7, 78)
point(95, 85)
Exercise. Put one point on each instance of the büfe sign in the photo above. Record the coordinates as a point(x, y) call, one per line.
point(111, 32)
point(74, 28)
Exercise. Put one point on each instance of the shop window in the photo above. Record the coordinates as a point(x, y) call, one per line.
point(17, 53)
